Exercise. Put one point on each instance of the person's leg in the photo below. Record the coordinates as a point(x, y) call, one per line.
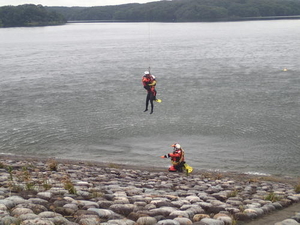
point(172, 169)
point(147, 101)
point(151, 102)
point(179, 167)
point(153, 90)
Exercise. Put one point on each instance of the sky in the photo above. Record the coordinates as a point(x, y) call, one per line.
point(71, 2)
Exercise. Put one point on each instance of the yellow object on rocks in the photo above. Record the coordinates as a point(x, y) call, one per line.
point(188, 168)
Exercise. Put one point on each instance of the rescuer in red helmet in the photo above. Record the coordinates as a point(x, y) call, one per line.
point(177, 158)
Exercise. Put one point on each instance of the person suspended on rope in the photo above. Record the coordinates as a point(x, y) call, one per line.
point(177, 158)
point(149, 83)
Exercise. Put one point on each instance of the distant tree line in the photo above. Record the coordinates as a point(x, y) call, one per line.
point(161, 11)
point(29, 15)
point(184, 10)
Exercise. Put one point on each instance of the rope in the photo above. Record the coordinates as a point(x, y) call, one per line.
point(149, 46)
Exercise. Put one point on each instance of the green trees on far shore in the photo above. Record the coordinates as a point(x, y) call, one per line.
point(28, 15)
point(184, 10)
point(158, 11)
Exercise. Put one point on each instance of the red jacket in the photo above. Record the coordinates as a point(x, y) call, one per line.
point(177, 156)
point(148, 79)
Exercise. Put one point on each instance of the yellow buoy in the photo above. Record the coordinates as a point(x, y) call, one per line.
point(285, 69)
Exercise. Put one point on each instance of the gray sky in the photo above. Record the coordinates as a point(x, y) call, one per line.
point(72, 2)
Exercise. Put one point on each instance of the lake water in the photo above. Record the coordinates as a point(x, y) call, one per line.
point(230, 93)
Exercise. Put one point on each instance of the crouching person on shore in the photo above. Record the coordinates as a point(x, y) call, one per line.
point(177, 160)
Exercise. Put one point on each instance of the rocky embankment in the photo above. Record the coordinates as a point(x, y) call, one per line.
point(51, 192)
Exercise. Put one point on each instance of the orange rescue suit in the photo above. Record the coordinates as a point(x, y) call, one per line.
point(149, 83)
point(177, 156)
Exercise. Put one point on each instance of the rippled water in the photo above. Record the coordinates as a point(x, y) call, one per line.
point(74, 91)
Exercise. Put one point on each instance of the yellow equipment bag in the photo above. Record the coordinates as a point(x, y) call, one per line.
point(188, 168)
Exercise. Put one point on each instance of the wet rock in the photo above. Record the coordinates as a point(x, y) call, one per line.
point(72, 206)
point(296, 217)
point(183, 221)
point(194, 209)
point(165, 211)
point(216, 208)
point(105, 213)
point(16, 200)
point(277, 205)
point(9, 220)
point(205, 205)
point(36, 208)
point(168, 222)
point(9, 204)
point(66, 212)
point(123, 209)
point(3, 207)
point(105, 204)
point(242, 216)
point(199, 217)
point(223, 217)
point(294, 198)
point(20, 211)
point(179, 213)
point(209, 221)
point(37, 221)
point(193, 199)
point(4, 213)
point(89, 221)
point(287, 222)
point(268, 208)
point(119, 222)
point(38, 201)
point(147, 220)
point(44, 195)
point(28, 216)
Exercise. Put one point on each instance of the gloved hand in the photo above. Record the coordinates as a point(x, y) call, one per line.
point(164, 156)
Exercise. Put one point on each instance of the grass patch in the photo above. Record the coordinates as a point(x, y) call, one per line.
point(2, 165)
point(52, 165)
point(213, 175)
point(272, 197)
point(233, 193)
point(69, 186)
point(46, 185)
point(297, 188)
point(96, 194)
point(112, 165)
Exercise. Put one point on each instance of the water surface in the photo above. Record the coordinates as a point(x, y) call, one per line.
point(74, 91)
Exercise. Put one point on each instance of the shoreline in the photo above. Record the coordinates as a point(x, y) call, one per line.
point(150, 192)
point(235, 175)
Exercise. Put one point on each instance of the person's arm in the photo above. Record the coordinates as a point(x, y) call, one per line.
point(144, 81)
point(174, 154)
point(153, 83)
point(166, 156)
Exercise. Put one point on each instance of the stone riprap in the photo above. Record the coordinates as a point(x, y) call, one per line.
point(45, 192)
point(294, 220)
